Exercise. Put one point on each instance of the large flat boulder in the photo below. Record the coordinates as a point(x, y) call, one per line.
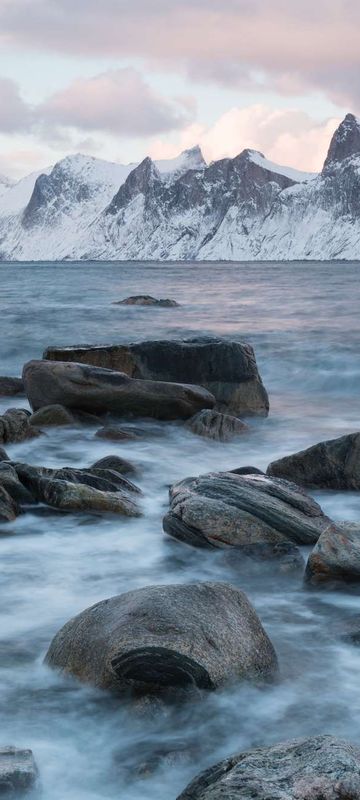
point(318, 768)
point(226, 368)
point(18, 771)
point(336, 556)
point(166, 637)
point(249, 512)
point(99, 390)
point(334, 464)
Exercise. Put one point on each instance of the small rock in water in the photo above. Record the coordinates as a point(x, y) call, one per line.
point(10, 481)
point(18, 771)
point(214, 425)
point(115, 434)
point(334, 464)
point(318, 768)
point(247, 471)
point(3, 455)
point(161, 638)
point(116, 464)
point(146, 300)
point(10, 387)
point(15, 426)
point(9, 509)
point(52, 415)
point(336, 556)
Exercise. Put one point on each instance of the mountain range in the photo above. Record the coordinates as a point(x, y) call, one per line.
point(242, 208)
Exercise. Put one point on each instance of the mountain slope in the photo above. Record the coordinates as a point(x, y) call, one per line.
point(242, 208)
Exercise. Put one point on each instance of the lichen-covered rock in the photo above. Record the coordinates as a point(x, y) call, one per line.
point(251, 511)
point(318, 768)
point(146, 300)
point(10, 387)
point(15, 426)
point(18, 771)
point(52, 415)
point(115, 463)
point(166, 637)
point(226, 368)
point(98, 390)
point(334, 464)
point(214, 425)
point(336, 556)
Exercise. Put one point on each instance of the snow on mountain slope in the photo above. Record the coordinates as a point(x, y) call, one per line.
point(238, 208)
point(5, 184)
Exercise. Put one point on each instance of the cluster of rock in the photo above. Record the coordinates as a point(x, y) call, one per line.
point(147, 300)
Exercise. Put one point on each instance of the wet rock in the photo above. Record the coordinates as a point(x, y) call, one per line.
point(3, 455)
point(334, 464)
point(15, 426)
point(9, 509)
point(146, 300)
point(100, 390)
point(150, 640)
point(18, 772)
point(318, 768)
point(10, 387)
point(227, 369)
point(144, 758)
point(336, 555)
point(214, 425)
point(81, 497)
point(9, 480)
point(251, 511)
point(115, 434)
point(247, 471)
point(116, 464)
point(52, 415)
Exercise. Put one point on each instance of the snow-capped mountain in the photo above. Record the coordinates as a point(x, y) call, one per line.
point(242, 208)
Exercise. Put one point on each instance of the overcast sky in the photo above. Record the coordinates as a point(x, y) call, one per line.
point(120, 79)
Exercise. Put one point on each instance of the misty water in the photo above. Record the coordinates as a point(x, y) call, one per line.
point(303, 321)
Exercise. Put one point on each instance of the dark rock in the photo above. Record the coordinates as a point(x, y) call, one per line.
point(334, 464)
point(214, 425)
point(18, 772)
point(9, 387)
point(336, 555)
point(344, 143)
point(247, 471)
point(115, 464)
point(115, 434)
point(3, 455)
point(9, 509)
point(227, 369)
point(318, 768)
point(146, 300)
point(243, 511)
point(52, 415)
point(15, 426)
point(100, 390)
point(9, 480)
point(166, 637)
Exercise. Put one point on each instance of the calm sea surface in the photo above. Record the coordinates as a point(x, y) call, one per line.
point(304, 323)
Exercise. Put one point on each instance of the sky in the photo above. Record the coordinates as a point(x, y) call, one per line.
point(122, 79)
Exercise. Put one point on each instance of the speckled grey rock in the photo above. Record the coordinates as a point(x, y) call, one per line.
point(226, 368)
point(99, 390)
point(174, 636)
point(334, 464)
point(18, 771)
point(52, 415)
point(318, 768)
point(214, 425)
point(251, 511)
point(15, 426)
point(336, 555)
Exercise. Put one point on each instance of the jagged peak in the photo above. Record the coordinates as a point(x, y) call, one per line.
point(345, 142)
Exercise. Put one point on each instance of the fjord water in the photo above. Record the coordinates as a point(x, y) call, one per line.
point(303, 320)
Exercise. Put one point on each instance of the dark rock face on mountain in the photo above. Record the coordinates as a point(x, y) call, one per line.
point(319, 768)
point(336, 556)
point(225, 368)
point(98, 390)
point(225, 509)
point(344, 143)
point(179, 636)
point(334, 464)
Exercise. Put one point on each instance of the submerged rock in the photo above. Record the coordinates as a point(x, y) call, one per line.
point(15, 426)
point(336, 555)
point(10, 387)
point(334, 464)
point(146, 300)
point(115, 434)
point(214, 425)
point(99, 390)
point(116, 464)
point(226, 368)
point(18, 771)
point(52, 415)
point(318, 768)
point(166, 637)
point(249, 512)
